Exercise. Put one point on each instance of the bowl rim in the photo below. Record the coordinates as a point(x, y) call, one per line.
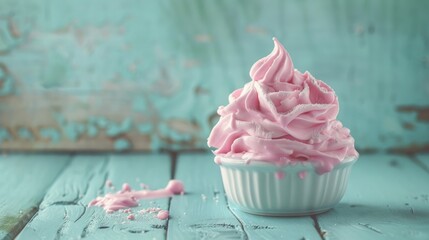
point(237, 163)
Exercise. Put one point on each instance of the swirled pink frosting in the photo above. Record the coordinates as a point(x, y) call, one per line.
point(282, 116)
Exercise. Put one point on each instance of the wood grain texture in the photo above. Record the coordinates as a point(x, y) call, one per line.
point(265, 227)
point(24, 181)
point(387, 198)
point(64, 213)
point(151, 74)
point(262, 227)
point(202, 213)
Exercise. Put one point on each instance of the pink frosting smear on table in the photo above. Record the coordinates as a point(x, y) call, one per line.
point(128, 198)
point(282, 116)
point(163, 214)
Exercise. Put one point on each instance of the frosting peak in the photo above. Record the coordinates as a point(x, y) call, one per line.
point(282, 116)
point(276, 67)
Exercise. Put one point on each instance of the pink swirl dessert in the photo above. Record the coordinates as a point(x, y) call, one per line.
point(283, 118)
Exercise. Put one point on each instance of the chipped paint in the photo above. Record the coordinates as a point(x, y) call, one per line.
point(367, 150)
point(6, 81)
point(410, 149)
point(171, 134)
point(4, 135)
point(121, 144)
point(183, 126)
point(25, 133)
point(421, 111)
point(145, 128)
point(203, 38)
point(51, 134)
point(54, 75)
point(99, 121)
point(156, 142)
point(10, 35)
point(191, 63)
point(115, 129)
point(408, 126)
point(198, 90)
point(139, 104)
point(256, 30)
point(73, 130)
point(91, 130)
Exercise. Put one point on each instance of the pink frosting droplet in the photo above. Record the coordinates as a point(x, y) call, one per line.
point(218, 160)
point(280, 175)
point(163, 214)
point(302, 174)
point(131, 217)
point(126, 187)
point(175, 186)
point(109, 183)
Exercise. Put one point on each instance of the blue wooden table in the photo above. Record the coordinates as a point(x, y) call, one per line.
point(45, 196)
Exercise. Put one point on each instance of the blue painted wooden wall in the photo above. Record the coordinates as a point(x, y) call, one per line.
point(142, 75)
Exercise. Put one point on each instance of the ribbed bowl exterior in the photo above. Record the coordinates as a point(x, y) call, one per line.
point(257, 190)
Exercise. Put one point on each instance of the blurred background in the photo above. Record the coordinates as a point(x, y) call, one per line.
point(137, 75)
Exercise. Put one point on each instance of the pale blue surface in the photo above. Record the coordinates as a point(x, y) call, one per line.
point(387, 198)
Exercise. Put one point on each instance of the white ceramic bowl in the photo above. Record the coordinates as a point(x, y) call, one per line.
point(256, 188)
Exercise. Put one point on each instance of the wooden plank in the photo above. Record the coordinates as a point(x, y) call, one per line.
point(202, 213)
point(387, 198)
point(75, 62)
point(24, 181)
point(64, 212)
